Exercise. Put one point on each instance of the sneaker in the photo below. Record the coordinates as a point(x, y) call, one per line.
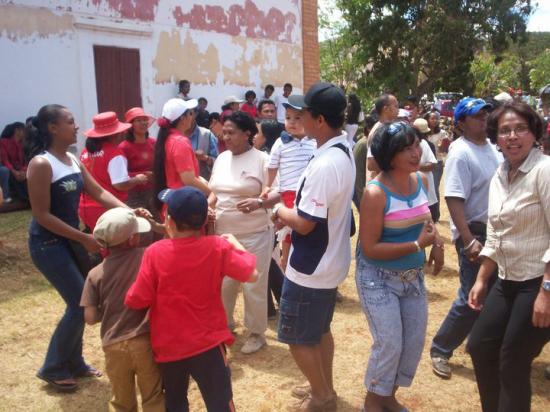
point(441, 367)
point(8, 200)
point(253, 344)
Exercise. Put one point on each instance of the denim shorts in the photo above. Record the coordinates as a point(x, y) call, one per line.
point(305, 313)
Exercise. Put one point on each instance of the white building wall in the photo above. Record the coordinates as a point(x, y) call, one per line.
point(47, 50)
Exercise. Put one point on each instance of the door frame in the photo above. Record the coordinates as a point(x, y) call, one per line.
point(112, 34)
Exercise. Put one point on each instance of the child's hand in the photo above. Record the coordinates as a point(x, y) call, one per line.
point(233, 240)
point(265, 192)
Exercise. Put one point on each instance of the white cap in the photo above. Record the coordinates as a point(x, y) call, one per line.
point(503, 97)
point(175, 107)
point(117, 225)
point(232, 99)
point(403, 113)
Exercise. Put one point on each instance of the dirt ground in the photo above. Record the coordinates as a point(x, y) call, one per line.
point(30, 308)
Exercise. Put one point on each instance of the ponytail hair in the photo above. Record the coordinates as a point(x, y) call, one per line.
point(38, 138)
point(159, 172)
point(93, 144)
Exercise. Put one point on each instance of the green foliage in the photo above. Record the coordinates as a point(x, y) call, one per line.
point(419, 46)
point(491, 78)
point(540, 70)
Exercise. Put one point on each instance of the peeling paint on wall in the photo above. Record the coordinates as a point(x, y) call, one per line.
point(19, 22)
point(174, 58)
point(237, 20)
point(143, 10)
point(247, 62)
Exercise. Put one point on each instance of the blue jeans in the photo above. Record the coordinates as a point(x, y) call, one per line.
point(54, 259)
point(460, 319)
point(397, 314)
point(5, 181)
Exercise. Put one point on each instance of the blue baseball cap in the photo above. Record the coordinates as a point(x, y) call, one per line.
point(469, 106)
point(186, 206)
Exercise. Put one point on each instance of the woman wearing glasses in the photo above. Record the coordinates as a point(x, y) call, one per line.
point(395, 228)
point(514, 324)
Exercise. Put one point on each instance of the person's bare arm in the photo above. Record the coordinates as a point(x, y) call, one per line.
point(456, 210)
point(271, 175)
point(91, 315)
point(291, 218)
point(189, 179)
point(138, 179)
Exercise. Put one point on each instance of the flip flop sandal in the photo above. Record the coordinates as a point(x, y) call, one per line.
point(60, 386)
point(91, 372)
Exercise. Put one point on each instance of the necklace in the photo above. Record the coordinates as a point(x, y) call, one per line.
point(406, 198)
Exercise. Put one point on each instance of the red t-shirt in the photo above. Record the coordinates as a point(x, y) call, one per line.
point(108, 161)
point(141, 157)
point(179, 158)
point(181, 280)
point(250, 109)
point(11, 154)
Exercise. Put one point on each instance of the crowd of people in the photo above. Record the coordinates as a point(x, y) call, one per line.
point(155, 238)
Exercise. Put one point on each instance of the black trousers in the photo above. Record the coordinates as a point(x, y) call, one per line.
point(211, 372)
point(503, 344)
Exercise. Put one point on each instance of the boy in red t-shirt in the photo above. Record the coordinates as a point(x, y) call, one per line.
point(180, 281)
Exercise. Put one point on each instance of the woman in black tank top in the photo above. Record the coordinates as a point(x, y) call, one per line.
point(55, 181)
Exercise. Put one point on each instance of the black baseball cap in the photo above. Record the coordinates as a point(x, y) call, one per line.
point(325, 98)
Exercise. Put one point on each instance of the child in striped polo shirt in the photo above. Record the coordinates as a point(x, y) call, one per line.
point(289, 157)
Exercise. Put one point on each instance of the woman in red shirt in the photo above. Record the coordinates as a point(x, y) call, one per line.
point(139, 150)
point(107, 164)
point(13, 158)
point(175, 162)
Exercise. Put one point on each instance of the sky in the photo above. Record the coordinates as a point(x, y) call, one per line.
point(539, 20)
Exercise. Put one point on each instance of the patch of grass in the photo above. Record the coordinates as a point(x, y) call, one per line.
point(30, 310)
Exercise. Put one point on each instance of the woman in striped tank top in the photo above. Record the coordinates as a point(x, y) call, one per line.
point(395, 229)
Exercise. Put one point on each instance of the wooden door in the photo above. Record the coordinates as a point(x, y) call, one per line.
point(117, 79)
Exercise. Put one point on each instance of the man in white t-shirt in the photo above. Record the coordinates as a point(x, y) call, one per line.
point(387, 109)
point(428, 161)
point(279, 100)
point(470, 166)
point(320, 253)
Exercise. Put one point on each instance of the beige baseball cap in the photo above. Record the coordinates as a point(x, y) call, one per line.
point(117, 225)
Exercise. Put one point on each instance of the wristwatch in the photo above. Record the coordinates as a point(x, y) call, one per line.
point(546, 285)
point(260, 202)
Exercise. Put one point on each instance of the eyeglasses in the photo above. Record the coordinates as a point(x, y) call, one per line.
point(519, 131)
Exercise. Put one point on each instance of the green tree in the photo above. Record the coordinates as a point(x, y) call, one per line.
point(492, 76)
point(540, 70)
point(419, 46)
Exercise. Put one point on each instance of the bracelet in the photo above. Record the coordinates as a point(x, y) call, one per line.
point(474, 240)
point(260, 202)
point(439, 245)
point(418, 248)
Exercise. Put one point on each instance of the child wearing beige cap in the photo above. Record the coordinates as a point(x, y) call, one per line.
point(124, 331)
